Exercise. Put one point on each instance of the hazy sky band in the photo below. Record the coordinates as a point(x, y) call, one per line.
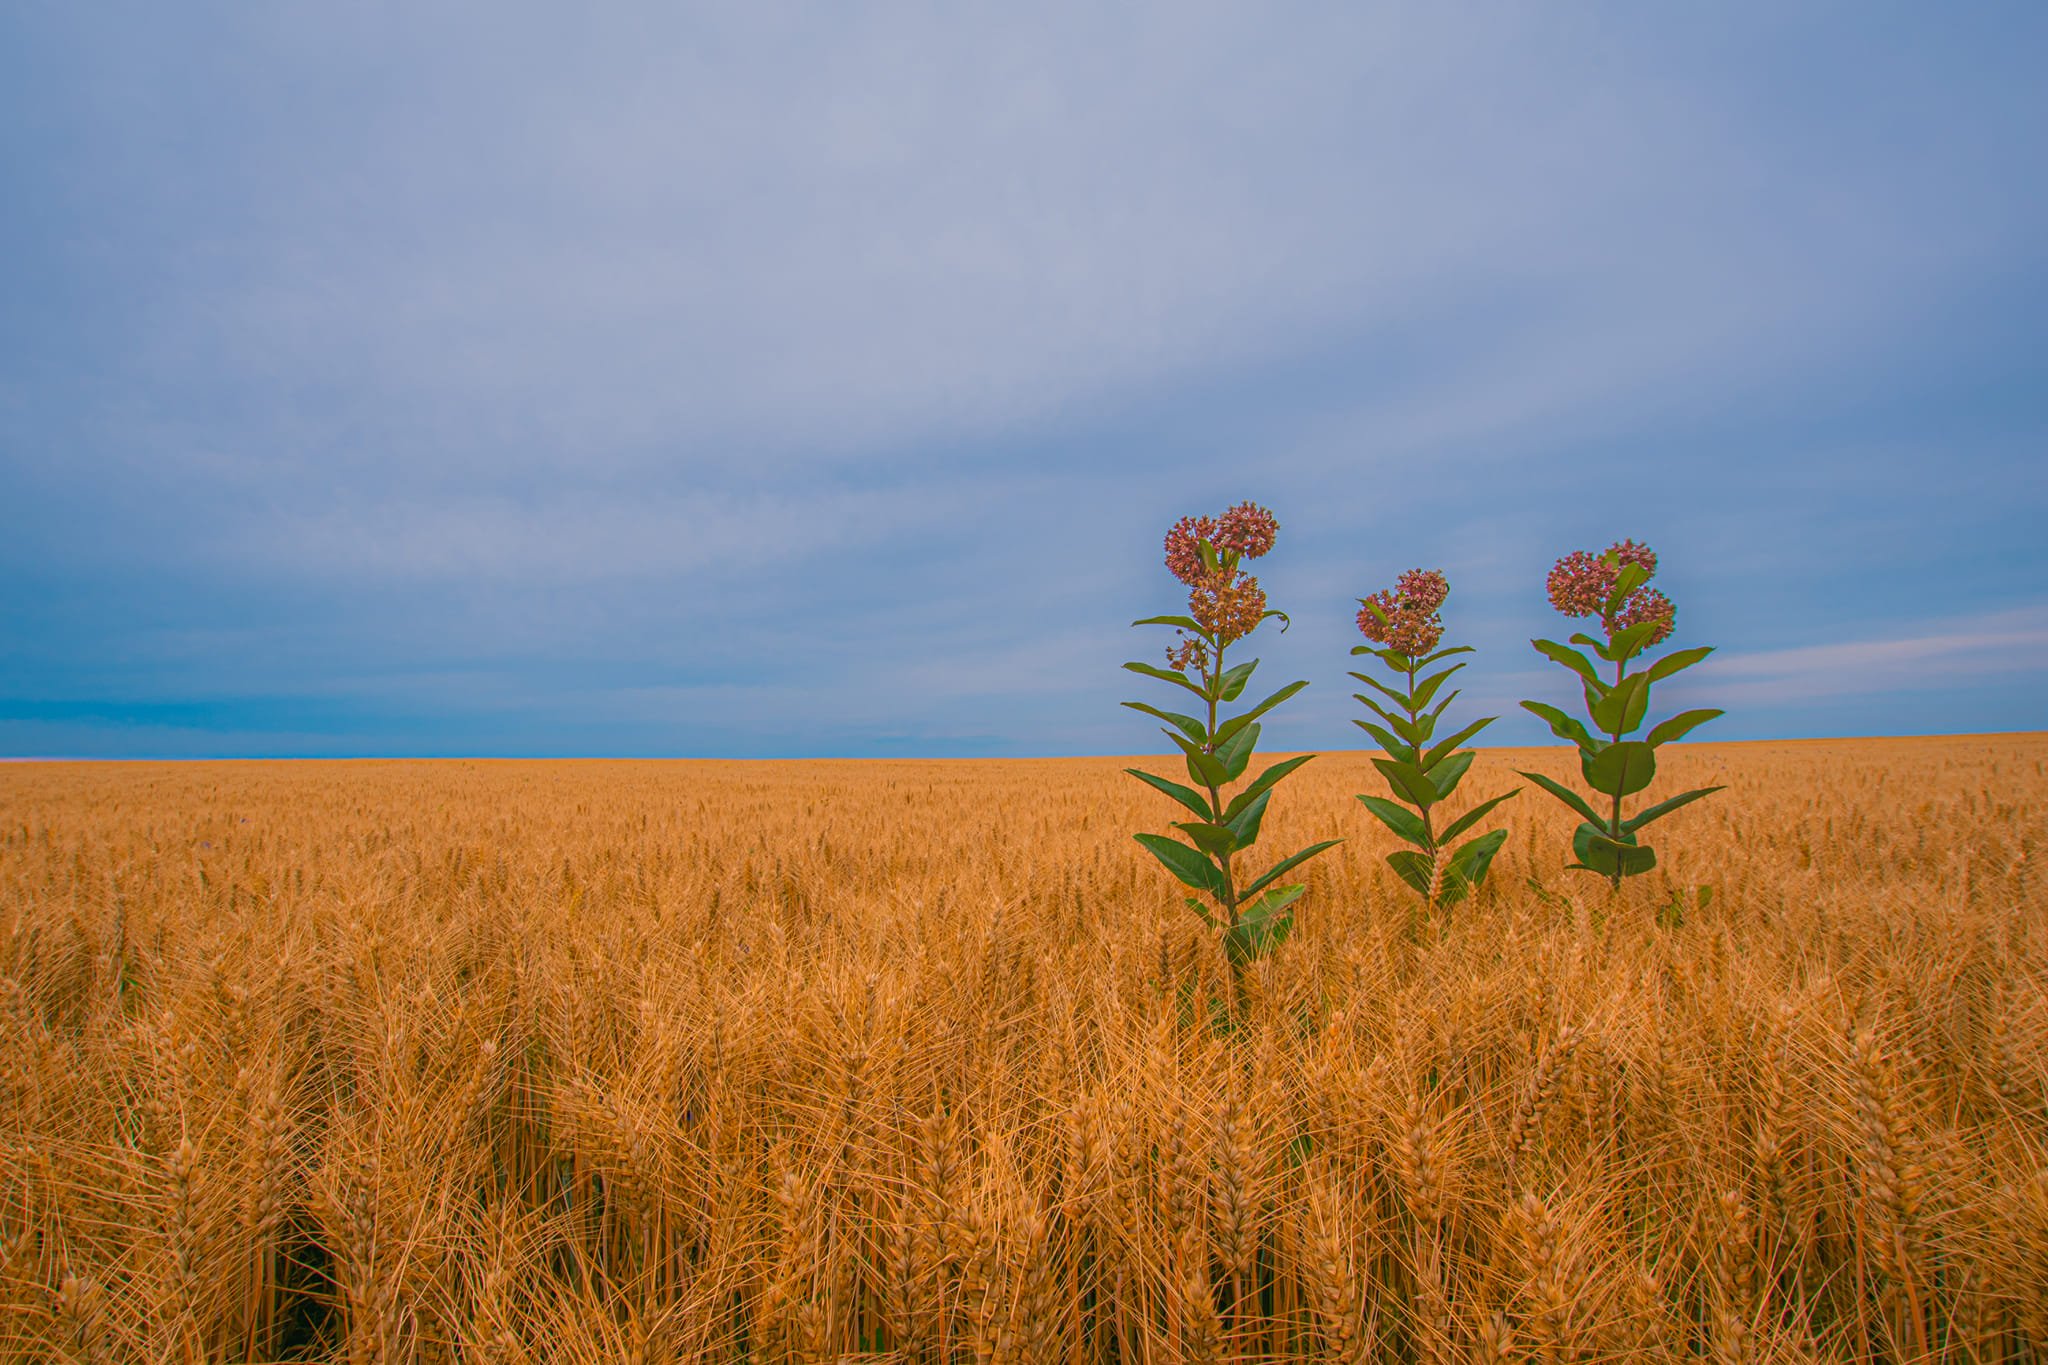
point(757, 380)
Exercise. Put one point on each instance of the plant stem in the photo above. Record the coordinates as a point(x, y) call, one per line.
point(1428, 829)
point(1229, 897)
point(1614, 832)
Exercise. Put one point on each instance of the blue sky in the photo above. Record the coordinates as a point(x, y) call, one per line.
point(776, 381)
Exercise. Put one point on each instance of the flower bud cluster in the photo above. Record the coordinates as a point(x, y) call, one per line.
point(1406, 616)
point(1222, 598)
point(1581, 582)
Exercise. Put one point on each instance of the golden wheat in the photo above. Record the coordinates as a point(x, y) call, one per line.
point(924, 1061)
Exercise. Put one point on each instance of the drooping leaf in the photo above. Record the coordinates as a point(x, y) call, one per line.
point(1446, 652)
point(1671, 663)
point(1208, 915)
point(1611, 857)
point(1562, 725)
point(1236, 723)
point(1214, 840)
point(1620, 769)
point(1187, 725)
point(1186, 623)
point(1238, 751)
point(1183, 862)
point(1426, 689)
point(1230, 684)
point(1408, 781)
point(1473, 816)
point(1187, 796)
point(1680, 725)
point(1382, 712)
point(1293, 860)
point(1467, 867)
point(1665, 807)
point(1412, 867)
point(1263, 783)
point(1244, 826)
point(1562, 793)
point(1448, 772)
point(1167, 675)
point(1442, 747)
point(1398, 818)
point(1569, 657)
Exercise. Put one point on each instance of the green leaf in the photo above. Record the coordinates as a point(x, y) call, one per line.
point(1598, 646)
point(1426, 689)
point(1208, 916)
point(1562, 725)
point(1407, 730)
point(1414, 868)
point(1183, 862)
point(1266, 616)
point(1563, 793)
point(1399, 699)
point(1187, 725)
point(1467, 867)
point(1629, 641)
point(1398, 818)
point(1426, 660)
point(1187, 796)
point(1663, 808)
point(1408, 781)
point(1236, 723)
point(1214, 840)
point(1262, 928)
point(1610, 857)
point(1166, 675)
point(1238, 752)
point(1230, 684)
point(1263, 783)
point(1679, 725)
point(1207, 769)
point(1244, 825)
point(1620, 769)
point(1631, 577)
point(1187, 623)
point(1382, 712)
point(1446, 775)
point(1386, 741)
point(1671, 663)
point(1569, 657)
point(1291, 861)
point(1473, 817)
point(1622, 709)
point(1442, 747)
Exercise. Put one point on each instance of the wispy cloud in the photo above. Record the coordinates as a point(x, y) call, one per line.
point(1936, 655)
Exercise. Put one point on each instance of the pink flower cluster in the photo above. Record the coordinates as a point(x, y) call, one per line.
point(1226, 601)
point(1581, 583)
point(1406, 616)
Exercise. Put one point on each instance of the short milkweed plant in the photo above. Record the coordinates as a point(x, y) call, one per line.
point(1634, 618)
point(1405, 625)
point(1252, 915)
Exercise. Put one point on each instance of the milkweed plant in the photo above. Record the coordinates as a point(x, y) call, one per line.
point(1634, 618)
point(1251, 915)
point(1405, 625)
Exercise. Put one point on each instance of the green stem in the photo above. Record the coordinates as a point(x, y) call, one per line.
point(1614, 830)
point(1415, 748)
point(1229, 897)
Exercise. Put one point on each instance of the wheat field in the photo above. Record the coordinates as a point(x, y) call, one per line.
point(650, 1061)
